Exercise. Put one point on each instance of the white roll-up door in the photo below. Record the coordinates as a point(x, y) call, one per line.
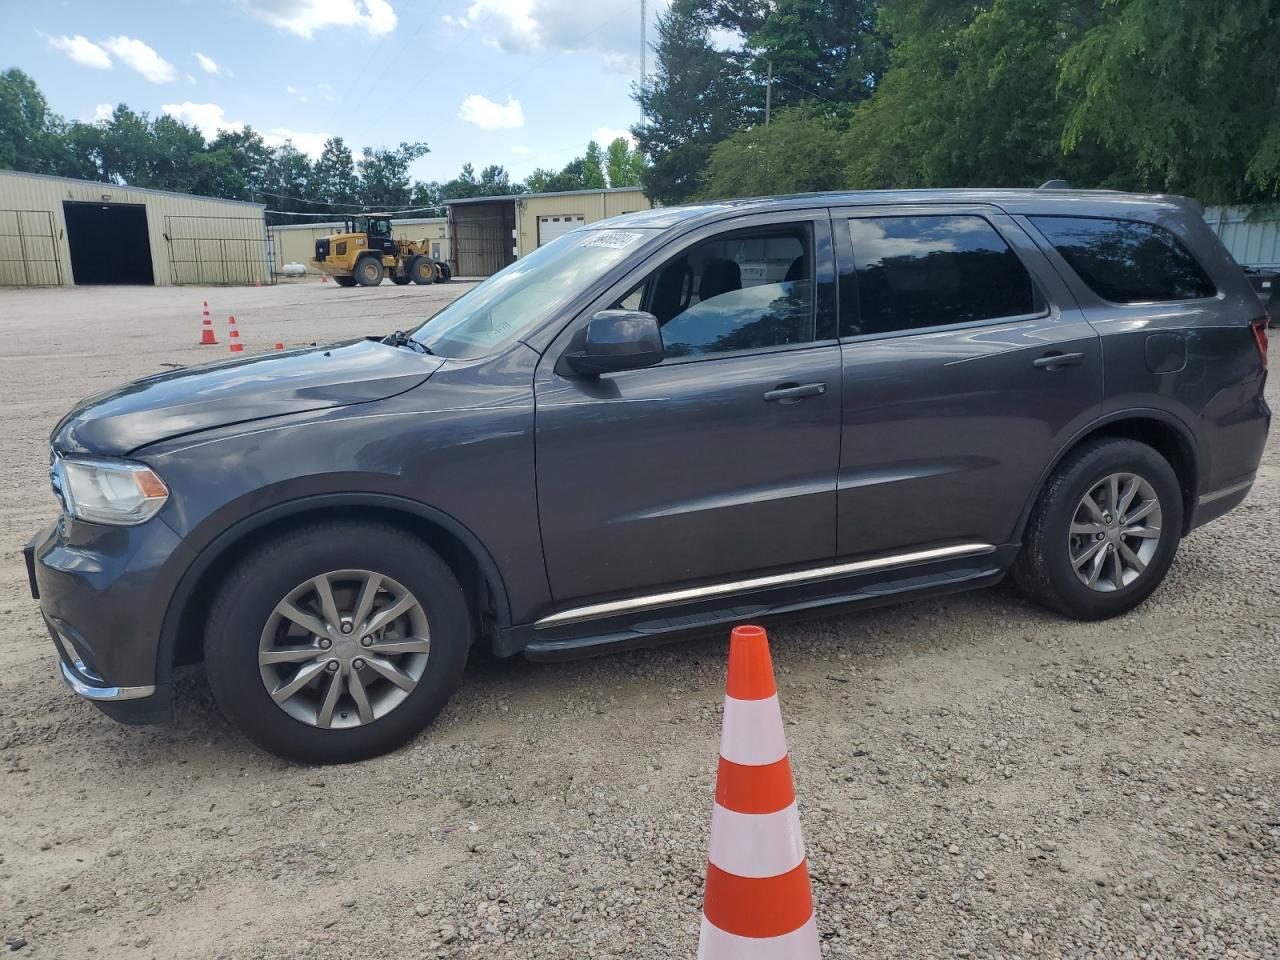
point(551, 227)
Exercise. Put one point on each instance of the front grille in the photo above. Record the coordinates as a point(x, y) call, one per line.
point(322, 248)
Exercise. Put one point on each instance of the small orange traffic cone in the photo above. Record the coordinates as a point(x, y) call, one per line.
point(279, 346)
point(206, 328)
point(234, 335)
point(757, 902)
point(324, 278)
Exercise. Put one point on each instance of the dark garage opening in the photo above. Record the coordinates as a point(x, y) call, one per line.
point(109, 243)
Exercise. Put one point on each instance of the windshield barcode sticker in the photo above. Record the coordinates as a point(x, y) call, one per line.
point(611, 238)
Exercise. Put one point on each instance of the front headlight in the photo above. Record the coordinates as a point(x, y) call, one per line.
point(119, 492)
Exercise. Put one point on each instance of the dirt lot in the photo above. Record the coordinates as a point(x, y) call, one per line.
point(977, 778)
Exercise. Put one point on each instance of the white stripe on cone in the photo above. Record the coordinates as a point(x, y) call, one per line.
point(799, 944)
point(756, 844)
point(752, 733)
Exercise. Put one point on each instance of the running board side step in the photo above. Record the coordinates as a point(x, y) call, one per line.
point(676, 627)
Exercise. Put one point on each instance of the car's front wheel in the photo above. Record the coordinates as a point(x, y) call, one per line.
point(1104, 531)
point(337, 642)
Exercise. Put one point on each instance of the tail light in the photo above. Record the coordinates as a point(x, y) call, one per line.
point(1260, 334)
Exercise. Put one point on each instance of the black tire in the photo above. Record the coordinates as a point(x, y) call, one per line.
point(399, 279)
point(249, 595)
point(420, 271)
point(446, 274)
point(369, 271)
point(1044, 571)
point(345, 281)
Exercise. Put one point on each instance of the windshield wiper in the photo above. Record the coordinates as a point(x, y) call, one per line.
point(402, 339)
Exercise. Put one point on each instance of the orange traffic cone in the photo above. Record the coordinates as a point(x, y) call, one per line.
point(234, 335)
point(324, 278)
point(279, 346)
point(206, 328)
point(757, 902)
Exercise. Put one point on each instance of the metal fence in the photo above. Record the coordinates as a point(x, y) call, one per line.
point(1252, 235)
point(28, 249)
point(218, 250)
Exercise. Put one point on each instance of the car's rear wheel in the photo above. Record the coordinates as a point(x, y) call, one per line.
point(337, 642)
point(1104, 531)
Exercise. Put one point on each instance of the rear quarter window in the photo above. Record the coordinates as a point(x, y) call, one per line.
point(1127, 261)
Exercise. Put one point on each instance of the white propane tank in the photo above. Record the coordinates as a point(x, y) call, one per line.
point(295, 270)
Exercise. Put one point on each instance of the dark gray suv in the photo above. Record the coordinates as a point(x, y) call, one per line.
point(654, 426)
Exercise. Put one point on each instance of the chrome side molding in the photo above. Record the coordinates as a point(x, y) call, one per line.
point(90, 692)
point(649, 601)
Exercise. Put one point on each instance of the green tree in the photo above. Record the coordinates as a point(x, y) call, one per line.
point(593, 167)
point(25, 143)
point(333, 178)
point(1188, 91)
point(827, 51)
point(624, 166)
point(799, 151)
point(698, 96)
point(970, 98)
point(384, 175)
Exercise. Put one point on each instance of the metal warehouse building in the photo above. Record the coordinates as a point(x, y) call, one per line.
point(54, 230)
point(488, 233)
point(296, 243)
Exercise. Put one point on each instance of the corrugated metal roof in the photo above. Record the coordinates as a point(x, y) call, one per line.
point(529, 196)
point(125, 186)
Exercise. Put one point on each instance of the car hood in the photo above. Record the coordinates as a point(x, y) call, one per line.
point(198, 398)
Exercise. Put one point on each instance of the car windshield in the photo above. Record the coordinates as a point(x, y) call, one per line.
point(525, 293)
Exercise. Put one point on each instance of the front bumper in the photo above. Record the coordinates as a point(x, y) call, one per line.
point(103, 593)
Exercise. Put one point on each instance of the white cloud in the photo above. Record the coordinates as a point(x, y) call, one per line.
point(82, 51)
point(138, 56)
point(210, 66)
point(523, 26)
point(304, 17)
point(312, 144)
point(484, 113)
point(520, 149)
point(103, 111)
point(605, 136)
point(209, 118)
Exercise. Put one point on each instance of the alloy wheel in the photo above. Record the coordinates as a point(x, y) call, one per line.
point(1115, 531)
point(344, 649)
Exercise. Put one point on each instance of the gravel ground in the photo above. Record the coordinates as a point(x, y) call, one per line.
point(977, 778)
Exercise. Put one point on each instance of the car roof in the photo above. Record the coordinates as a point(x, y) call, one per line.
point(1061, 201)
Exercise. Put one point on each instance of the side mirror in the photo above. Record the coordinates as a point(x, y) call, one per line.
point(618, 340)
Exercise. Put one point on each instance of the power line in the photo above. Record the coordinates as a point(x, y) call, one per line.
point(777, 79)
point(390, 213)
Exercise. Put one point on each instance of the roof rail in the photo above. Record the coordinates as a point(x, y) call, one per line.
point(1055, 185)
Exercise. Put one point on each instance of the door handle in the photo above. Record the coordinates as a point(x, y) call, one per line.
point(1055, 361)
point(791, 392)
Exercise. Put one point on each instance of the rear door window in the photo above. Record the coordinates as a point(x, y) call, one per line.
point(928, 271)
point(1126, 261)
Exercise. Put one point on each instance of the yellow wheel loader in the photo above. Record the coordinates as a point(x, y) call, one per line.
point(366, 252)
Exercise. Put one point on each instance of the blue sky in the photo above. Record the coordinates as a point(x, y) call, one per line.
point(523, 83)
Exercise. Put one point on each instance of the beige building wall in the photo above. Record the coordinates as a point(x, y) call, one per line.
point(591, 206)
point(297, 243)
point(192, 239)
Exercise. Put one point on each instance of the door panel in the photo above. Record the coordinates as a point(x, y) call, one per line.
point(685, 472)
point(720, 461)
point(946, 431)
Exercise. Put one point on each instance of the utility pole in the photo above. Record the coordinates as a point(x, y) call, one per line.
point(768, 93)
point(644, 49)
